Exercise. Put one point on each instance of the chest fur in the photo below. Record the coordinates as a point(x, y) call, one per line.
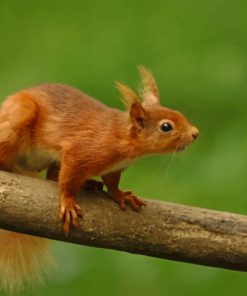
point(121, 165)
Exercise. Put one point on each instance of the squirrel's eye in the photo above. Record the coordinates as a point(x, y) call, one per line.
point(166, 127)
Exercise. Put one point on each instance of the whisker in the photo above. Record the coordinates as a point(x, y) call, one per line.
point(168, 168)
point(184, 157)
point(161, 164)
point(172, 157)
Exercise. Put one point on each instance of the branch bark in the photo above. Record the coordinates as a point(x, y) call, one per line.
point(164, 230)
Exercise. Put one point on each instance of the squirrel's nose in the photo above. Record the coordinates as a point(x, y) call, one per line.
point(194, 132)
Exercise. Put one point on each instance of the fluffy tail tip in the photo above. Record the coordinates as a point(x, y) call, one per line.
point(25, 261)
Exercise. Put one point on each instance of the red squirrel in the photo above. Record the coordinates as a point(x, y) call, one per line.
point(75, 137)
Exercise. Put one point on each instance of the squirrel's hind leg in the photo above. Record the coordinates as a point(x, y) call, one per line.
point(24, 260)
point(17, 116)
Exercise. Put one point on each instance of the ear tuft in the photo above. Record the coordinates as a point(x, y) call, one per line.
point(149, 89)
point(128, 96)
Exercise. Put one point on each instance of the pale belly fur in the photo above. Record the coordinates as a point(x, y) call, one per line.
point(36, 160)
point(39, 159)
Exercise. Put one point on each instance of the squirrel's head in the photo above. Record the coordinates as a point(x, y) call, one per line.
point(154, 128)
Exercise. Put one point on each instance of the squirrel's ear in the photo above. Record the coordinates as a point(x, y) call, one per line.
point(149, 89)
point(138, 115)
point(128, 96)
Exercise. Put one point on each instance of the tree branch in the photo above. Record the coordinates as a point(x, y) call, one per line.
point(161, 229)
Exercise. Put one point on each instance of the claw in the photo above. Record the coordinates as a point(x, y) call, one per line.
point(69, 212)
point(128, 198)
point(66, 228)
point(78, 210)
point(74, 218)
point(122, 205)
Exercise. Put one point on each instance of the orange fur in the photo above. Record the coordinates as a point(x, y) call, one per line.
point(128, 96)
point(76, 137)
point(148, 88)
point(24, 261)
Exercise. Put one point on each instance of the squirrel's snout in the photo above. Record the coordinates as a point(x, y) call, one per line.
point(194, 132)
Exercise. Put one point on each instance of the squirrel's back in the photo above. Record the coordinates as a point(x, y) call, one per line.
point(64, 97)
point(45, 118)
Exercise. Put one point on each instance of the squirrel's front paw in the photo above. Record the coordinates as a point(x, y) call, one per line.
point(127, 197)
point(69, 212)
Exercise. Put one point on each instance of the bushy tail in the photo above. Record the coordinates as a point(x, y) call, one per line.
point(24, 261)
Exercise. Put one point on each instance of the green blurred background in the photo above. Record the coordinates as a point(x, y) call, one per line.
point(197, 51)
